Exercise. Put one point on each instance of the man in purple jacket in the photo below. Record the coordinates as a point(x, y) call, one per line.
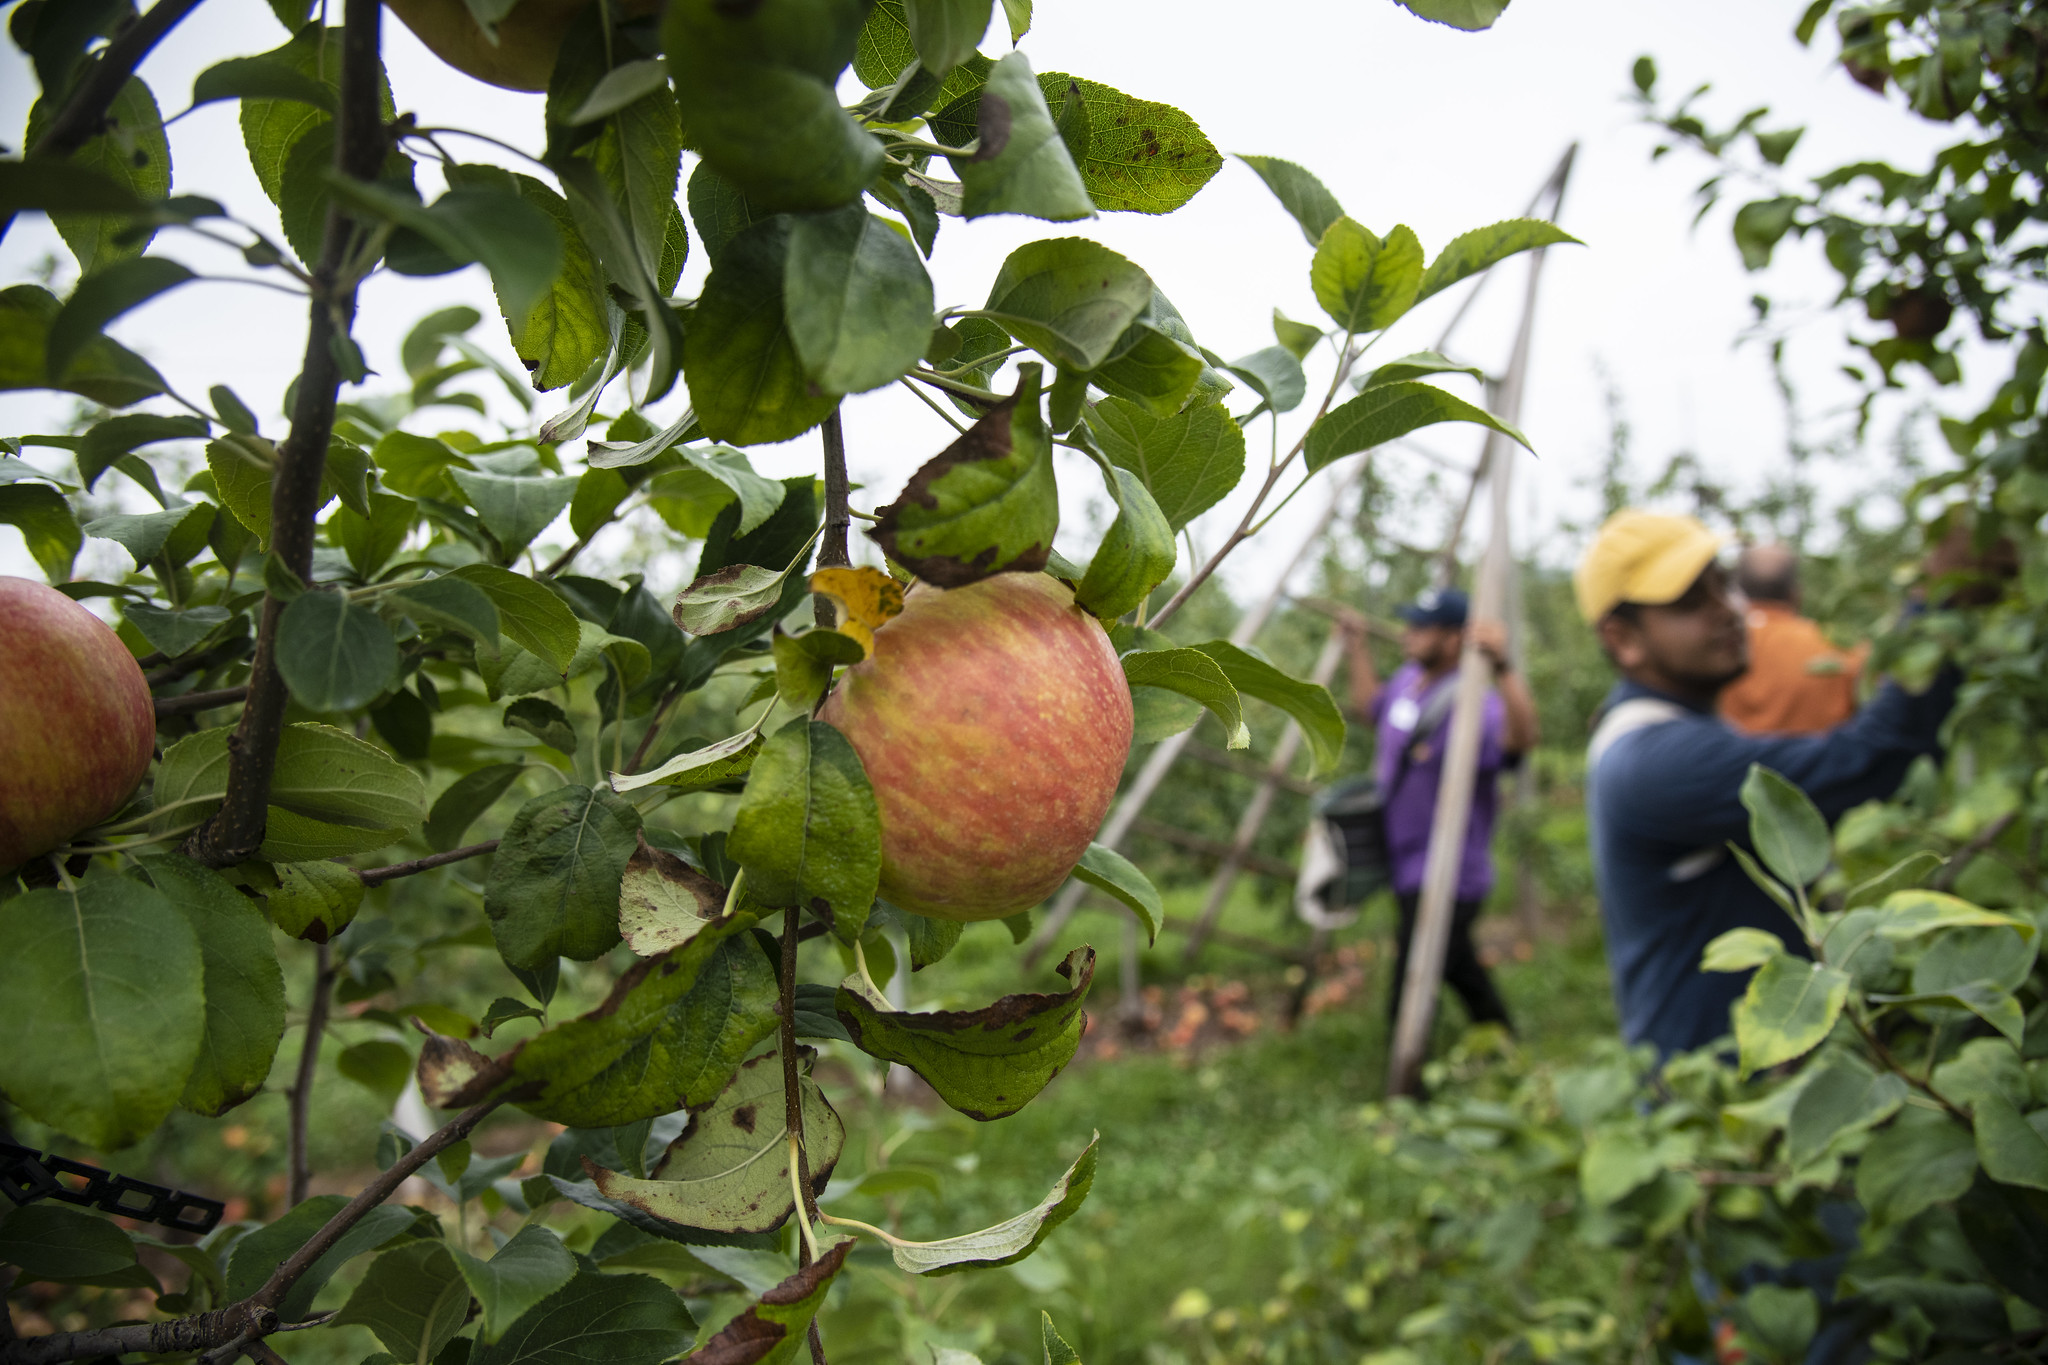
point(1411, 716)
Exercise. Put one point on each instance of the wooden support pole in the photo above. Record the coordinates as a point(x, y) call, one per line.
point(1432, 932)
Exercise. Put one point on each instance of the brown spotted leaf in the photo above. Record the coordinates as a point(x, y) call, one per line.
point(737, 595)
point(986, 1063)
point(664, 902)
point(454, 1075)
point(985, 504)
point(774, 1326)
point(729, 1171)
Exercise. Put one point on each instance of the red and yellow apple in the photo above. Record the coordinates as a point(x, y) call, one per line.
point(77, 726)
point(993, 721)
point(528, 38)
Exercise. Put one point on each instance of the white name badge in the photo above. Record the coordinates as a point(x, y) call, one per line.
point(1403, 713)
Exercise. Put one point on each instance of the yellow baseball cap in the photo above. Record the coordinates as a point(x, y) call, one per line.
point(1644, 557)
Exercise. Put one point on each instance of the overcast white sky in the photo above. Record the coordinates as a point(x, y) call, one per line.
point(1405, 121)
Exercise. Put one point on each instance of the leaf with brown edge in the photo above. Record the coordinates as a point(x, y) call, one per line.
point(670, 1034)
point(986, 1063)
point(664, 902)
point(1012, 1239)
point(735, 596)
point(774, 1326)
point(984, 505)
point(729, 1170)
point(454, 1075)
point(863, 600)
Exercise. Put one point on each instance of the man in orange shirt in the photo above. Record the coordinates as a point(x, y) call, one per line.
point(1797, 682)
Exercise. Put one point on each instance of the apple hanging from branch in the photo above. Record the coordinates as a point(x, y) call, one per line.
point(993, 720)
point(77, 726)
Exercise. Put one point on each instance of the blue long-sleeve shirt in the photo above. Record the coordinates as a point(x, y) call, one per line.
point(1664, 800)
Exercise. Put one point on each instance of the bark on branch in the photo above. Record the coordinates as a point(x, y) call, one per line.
point(236, 830)
point(377, 876)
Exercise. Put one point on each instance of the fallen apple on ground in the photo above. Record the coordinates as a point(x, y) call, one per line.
point(77, 726)
point(993, 721)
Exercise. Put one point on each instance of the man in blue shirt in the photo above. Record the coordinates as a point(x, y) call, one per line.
point(1664, 774)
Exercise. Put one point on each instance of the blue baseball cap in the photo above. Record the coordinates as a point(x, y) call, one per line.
point(1437, 607)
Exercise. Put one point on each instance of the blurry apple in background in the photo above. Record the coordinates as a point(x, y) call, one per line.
point(77, 726)
point(994, 721)
point(528, 38)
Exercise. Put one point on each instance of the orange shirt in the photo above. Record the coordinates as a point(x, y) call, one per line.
point(1797, 682)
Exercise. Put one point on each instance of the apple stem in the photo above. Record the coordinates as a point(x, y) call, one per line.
point(792, 1094)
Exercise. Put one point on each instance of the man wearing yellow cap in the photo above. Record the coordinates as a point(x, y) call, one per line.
point(1664, 774)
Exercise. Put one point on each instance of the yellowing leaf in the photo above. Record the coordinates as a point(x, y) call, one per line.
point(864, 599)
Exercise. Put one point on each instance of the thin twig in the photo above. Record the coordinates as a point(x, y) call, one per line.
point(948, 418)
point(300, 1165)
point(561, 561)
point(654, 724)
point(199, 701)
point(832, 550)
point(235, 832)
point(1946, 879)
point(377, 876)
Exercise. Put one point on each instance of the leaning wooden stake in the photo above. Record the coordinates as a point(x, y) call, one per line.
point(1432, 933)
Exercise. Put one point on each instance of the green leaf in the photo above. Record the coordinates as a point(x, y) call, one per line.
point(757, 97)
point(103, 371)
point(134, 154)
point(729, 1171)
point(771, 1331)
point(984, 505)
point(1843, 1097)
point(1790, 1007)
point(1363, 282)
point(1021, 163)
point(1152, 368)
point(1135, 556)
point(530, 616)
point(1388, 413)
point(1108, 871)
point(515, 509)
point(1010, 1241)
point(718, 208)
point(856, 300)
point(1477, 250)
point(242, 468)
point(568, 330)
point(1738, 950)
point(1921, 1160)
point(314, 900)
point(1470, 15)
point(524, 1271)
point(260, 1252)
point(452, 604)
point(1140, 156)
point(735, 596)
point(264, 77)
point(380, 1066)
point(1298, 337)
point(1420, 365)
point(1192, 673)
point(671, 1033)
point(618, 1319)
point(1302, 195)
point(107, 441)
point(1901, 875)
point(1188, 461)
point(44, 185)
point(271, 128)
point(414, 1298)
point(46, 524)
point(1275, 375)
point(1765, 882)
point(239, 978)
point(417, 465)
point(748, 384)
point(54, 1243)
point(758, 497)
point(807, 829)
point(491, 224)
point(334, 655)
point(545, 721)
point(714, 765)
point(100, 298)
point(1057, 1352)
point(1069, 299)
point(144, 534)
point(804, 664)
point(1788, 832)
point(2009, 1233)
point(945, 33)
point(465, 800)
point(1308, 704)
point(553, 889)
point(1910, 914)
point(986, 1063)
point(106, 1015)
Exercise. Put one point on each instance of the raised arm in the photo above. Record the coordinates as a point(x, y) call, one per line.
point(1520, 733)
point(1363, 678)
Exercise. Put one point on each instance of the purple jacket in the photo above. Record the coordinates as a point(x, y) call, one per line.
point(1411, 801)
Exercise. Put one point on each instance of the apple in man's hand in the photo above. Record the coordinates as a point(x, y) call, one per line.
point(77, 726)
point(994, 721)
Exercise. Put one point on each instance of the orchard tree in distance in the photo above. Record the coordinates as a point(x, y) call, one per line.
point(343, 620)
